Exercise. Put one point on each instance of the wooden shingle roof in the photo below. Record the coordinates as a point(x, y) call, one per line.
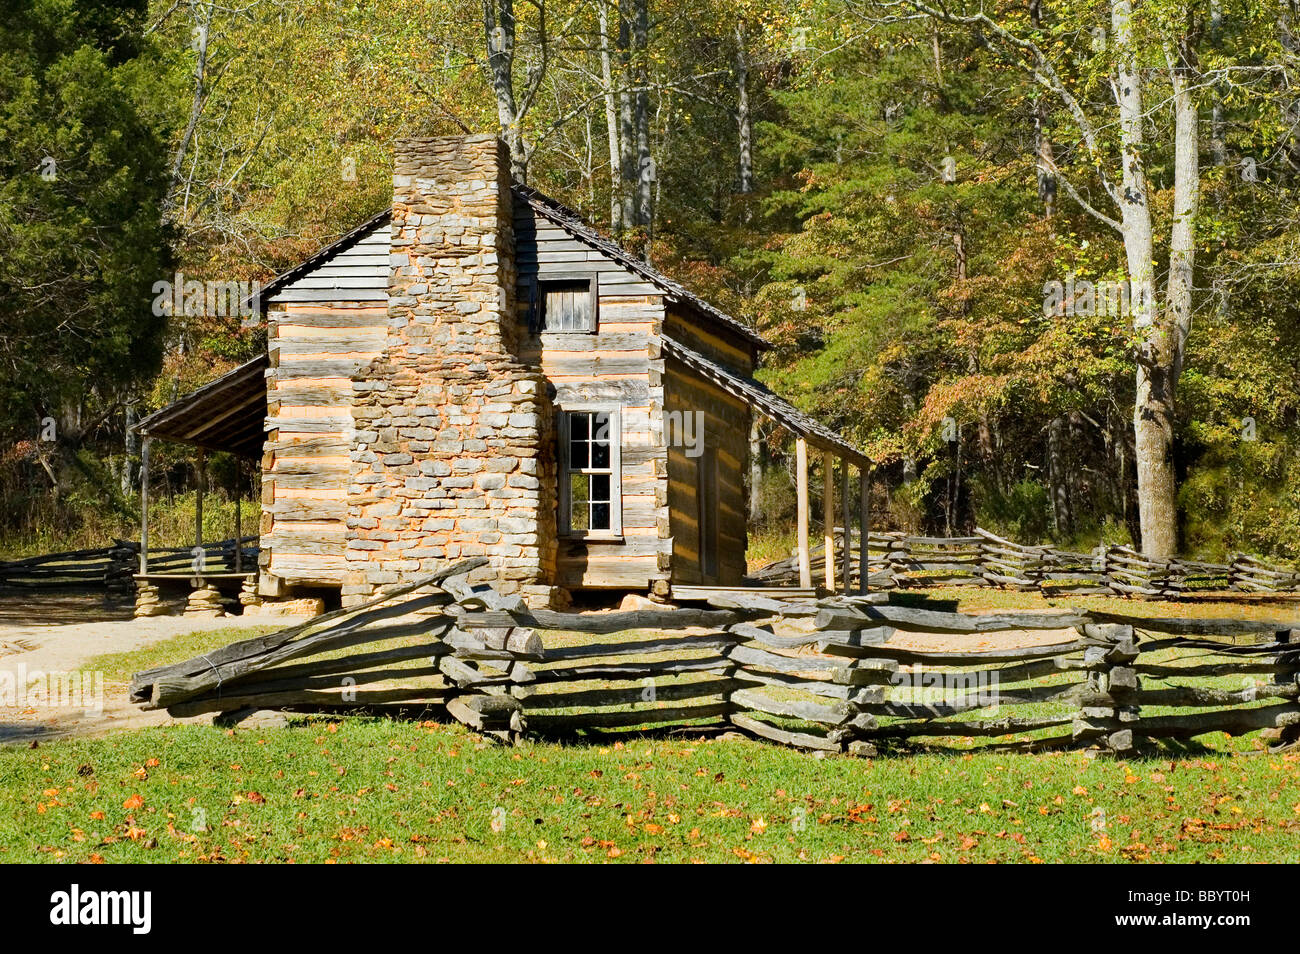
point(228, 414)
point(766, 401)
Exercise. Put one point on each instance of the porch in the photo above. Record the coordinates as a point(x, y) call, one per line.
point(844, 571)
point(226, 415)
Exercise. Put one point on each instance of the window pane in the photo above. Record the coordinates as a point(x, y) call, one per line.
point(579, 519)
point(581, 485)
point(590, 485)
point(579, 494)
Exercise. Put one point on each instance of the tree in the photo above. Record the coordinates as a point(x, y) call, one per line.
point(1119, 167)
point(83, 178)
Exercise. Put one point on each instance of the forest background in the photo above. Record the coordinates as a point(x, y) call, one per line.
point(1038, 259)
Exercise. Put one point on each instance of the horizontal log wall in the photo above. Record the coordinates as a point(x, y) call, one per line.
point(315, 347)
point(722, 445)
point(619, 365)
point(615, 367)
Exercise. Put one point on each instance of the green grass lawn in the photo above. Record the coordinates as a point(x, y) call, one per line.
point(118, 668)
point(376, 790)
point(370, 789)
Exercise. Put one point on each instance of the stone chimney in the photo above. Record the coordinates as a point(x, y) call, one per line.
point(452, 452)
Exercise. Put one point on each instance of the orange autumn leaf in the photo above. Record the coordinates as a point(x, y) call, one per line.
point(134, 802)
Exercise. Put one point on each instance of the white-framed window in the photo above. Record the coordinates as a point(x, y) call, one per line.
point(565, 302)
point(590, 472)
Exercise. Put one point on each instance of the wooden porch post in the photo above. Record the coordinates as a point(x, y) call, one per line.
point(828, 516)
point(864, 523)
point(198, 497)
point(239, 530)
point(846, 520)
point(801, 485)
point(144, 505)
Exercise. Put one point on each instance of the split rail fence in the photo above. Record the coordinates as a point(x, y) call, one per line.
point(837, 675)
point(896, 560)
point(114, 567)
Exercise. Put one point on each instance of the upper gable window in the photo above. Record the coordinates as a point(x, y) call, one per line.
point(567, 304)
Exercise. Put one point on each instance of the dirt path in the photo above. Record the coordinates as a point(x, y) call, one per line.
point(62, 636)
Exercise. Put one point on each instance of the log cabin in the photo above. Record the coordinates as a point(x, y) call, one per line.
point(477, 371)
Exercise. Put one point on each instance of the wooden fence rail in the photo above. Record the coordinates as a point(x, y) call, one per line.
point(113, 567)
point(835, 675)
point(897, 560)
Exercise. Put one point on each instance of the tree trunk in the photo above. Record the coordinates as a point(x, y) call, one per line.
point(1153, 411)
point(626, 120)
point(641, 117)
point(1058, 477)
point(1218, 142)
point(1044, 160)
point(499, 35)
point(202, 27)
point(744, 124)
point(616, 222)
point(1187, 196)
point(131, 448)
point(755, 472)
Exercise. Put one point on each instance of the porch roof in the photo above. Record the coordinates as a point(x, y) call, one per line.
point(228, 414)
point(766, 401)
